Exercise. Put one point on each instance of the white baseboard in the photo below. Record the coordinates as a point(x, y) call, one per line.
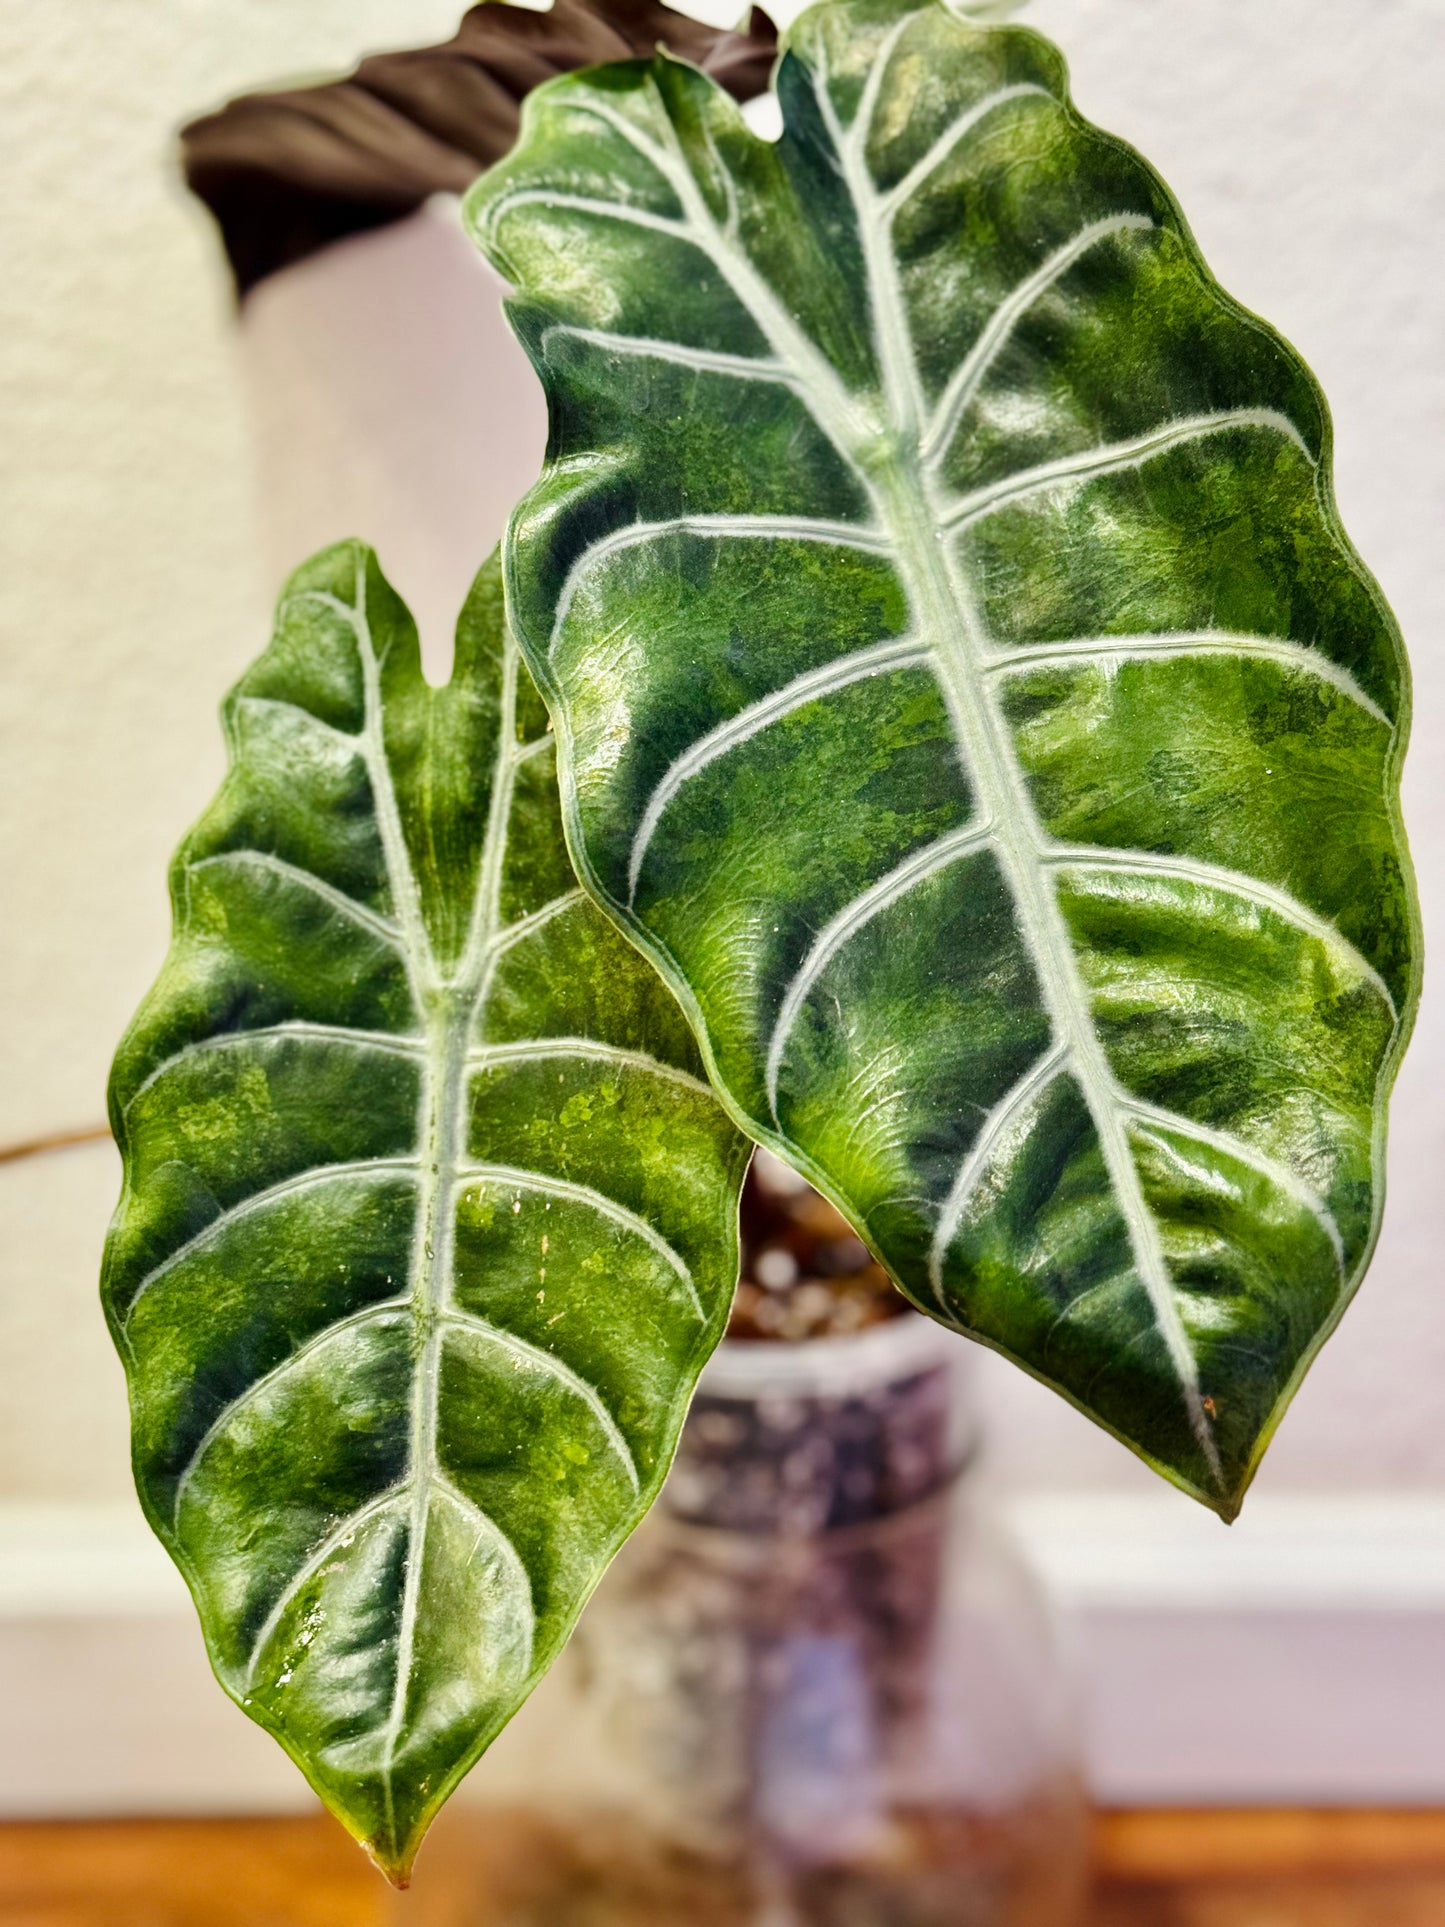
point(1296, 1658)
point(1300, 1657)
point(110, 1707)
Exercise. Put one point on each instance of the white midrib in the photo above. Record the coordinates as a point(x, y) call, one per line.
point(1003, 799)
point(449, 1004)
point(942, 602)
point(915, 524)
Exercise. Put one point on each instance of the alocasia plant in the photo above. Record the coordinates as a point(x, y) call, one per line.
point(428, 1222)
point(969, 700)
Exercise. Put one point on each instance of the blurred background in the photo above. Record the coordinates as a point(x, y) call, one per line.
point(162, 465)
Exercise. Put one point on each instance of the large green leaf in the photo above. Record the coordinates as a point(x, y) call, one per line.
point(969, 698)
point(428, 1222)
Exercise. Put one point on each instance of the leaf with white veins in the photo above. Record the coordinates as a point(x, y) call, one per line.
point(428, 1224)
point(968, 697)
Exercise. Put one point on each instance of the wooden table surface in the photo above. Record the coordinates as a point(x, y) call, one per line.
point(1217, 1869)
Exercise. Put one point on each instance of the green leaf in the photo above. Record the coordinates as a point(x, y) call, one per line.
point(428, 1222)
point(968, 697)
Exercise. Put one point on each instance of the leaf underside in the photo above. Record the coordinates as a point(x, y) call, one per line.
point(968, 697)
point(428, 1223)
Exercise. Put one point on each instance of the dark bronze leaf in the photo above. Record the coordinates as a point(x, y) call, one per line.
point(288, 172)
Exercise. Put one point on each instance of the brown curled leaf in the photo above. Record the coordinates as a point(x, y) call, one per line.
point(287, 172)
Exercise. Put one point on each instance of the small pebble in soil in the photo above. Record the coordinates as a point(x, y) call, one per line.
point(805, 1272)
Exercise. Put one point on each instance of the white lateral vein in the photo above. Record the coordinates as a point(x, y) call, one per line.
point(258, 1201)
point(529, 1050)
point(898, 653)
point(623, 211)
point(387, 929)
point(306, 717)
point(451, 1492)
point(1168, 645)
point(865, 115)
point(850, 920)
point(832, 405)
point(904, 189)
point(344, 1532)
point(539, 745)
point(528, 926)
point(1113, 457)
point(389, 1043)
point(1213, 876)
point(736, 528)
point(704, 361)
point(382, 1309)
point(542, 1360)
point(976, 1160)
point(964, 384)
point(312, 1564)
point(1156, 1119)
point(511, 1176)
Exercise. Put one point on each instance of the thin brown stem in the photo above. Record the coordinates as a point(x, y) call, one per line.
point(57, 1141)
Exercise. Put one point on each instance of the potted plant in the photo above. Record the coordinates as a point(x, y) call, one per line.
point(883, 740)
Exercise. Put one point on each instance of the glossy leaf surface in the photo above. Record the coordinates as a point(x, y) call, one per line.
point(428, 1222)
point(970, 699)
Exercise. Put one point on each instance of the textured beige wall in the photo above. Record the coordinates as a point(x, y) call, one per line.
point(130, 596)
point(1304, 140)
